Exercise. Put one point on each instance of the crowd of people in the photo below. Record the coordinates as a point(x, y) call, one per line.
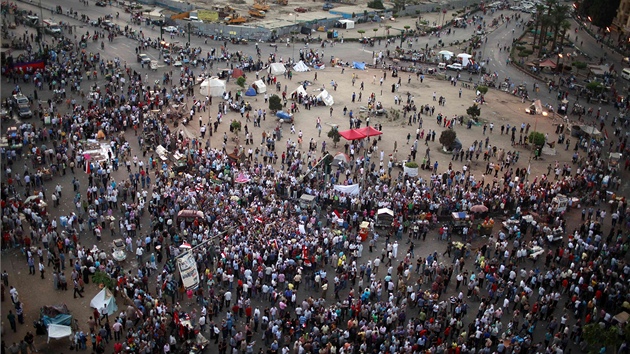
point(276, 275)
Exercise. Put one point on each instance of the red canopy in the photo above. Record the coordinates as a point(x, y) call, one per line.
point(352, 134)
point(236, 73)
point(369, 131)
point(547, 63)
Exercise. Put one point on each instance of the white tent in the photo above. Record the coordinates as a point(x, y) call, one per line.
point(347, 24)
point(260, 86)
point(56, 331)
point(300, 67)
point(300, 90)
point(212, 87)
point(277, 69)
point(326, 97)
point(104, 301)
point(465, 58)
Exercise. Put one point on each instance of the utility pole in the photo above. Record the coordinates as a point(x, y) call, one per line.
point(189, 34)
point(40, 27)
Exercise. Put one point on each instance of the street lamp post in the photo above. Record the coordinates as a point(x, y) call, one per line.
point(293, 36)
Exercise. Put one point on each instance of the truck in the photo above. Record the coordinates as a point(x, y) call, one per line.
point(257, 13)
point(235, 18)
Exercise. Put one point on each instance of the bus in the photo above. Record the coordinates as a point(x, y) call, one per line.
point(52, 27)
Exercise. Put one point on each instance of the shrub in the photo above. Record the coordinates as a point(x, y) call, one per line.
point(411, 164)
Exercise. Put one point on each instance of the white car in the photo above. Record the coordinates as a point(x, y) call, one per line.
point(177, 64)
point(456, 67)
point(170, 29)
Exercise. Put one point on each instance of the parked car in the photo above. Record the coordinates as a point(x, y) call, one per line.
point(143, 58)
point(170, 29)
point(328, 6)
point(24, 111)
point(456, 67)
point(101, 3)
point(300, 9)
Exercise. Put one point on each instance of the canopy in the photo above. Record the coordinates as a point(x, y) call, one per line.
point(340, 156)
point(58, 331)
point(56, 315)
point(352, 134)
point(446, 54)
point(547, 64)
point(385, 211)
point(250, 92)
point(358, 65)
point(300, 67)
point(369, 131)
point(347, 24)
point(104, 301)
point(325, 97)
point(259, 86)
point(212, 87)
point(277, 69)
point(284, 115)
point(300, 90)
point(465, 58)
point(236, 73)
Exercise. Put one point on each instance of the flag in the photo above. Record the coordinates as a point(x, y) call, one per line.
point(606, 133)
point(88, 168)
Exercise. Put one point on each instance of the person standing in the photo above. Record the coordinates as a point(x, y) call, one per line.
point(11, 318)
point(19, 312)
point(77, 289)
point(42, 270)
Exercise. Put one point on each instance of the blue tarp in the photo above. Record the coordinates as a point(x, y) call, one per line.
point(60, 319)
point(357, 65)
point(250, 92)
point(283, 115)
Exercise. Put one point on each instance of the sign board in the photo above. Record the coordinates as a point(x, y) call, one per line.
point(188, 270)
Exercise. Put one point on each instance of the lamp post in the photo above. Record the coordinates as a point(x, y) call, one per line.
point(292, 36)
point(161, 27)
point(189, 25)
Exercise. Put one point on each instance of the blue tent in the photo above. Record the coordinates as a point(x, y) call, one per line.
point(250, 92)
point(357, 65)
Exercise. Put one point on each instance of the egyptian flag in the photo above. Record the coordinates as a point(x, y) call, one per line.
point(88, 168)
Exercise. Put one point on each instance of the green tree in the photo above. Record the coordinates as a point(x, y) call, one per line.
point(474, 112)
point(537, 138)
point(595, 86)
point(235, 126)
point(601, 12)
point(334, 135)
point(598, 337)
point(447, 138)
point(376, 4)
point(558, 16)
point(275, 103)
point(482, 89)
point(241, 81)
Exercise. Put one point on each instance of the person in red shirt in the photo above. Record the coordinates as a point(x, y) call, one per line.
point(118, 348)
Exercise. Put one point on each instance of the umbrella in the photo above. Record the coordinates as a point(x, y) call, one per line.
point(479, 208)
point(185, 245)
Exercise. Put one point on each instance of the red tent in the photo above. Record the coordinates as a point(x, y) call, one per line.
point(369, 131)
point(352, 134)
point(236, 73)
point(547, 64)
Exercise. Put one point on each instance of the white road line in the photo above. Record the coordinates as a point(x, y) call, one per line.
point(114, 48)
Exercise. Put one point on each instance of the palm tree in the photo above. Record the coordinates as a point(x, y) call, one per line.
point(565, 26)
point(558, 16)
point(538, 23)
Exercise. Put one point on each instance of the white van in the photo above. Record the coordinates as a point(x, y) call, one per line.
point(625, 73)
point(441, 66)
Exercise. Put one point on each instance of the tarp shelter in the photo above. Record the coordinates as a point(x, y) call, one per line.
point(300, 90)
point(369, 131)
point(358, 65)
point(352, 134)
point(58, 331)
point(340, 156)
point(250, 92)
point(347, 24)
point(465, 58)
point(326, 97)
point(276, 69)
point(305, 30)
point(104, 301)
point(547, 64)
point(447, 54)
point(300, 67)
point(56, 315)
point(537, 105)
point(236, 73)
point(259, 86)
point(212, 87)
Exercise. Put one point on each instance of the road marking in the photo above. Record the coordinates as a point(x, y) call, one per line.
point(126, 45)
point(114, 48)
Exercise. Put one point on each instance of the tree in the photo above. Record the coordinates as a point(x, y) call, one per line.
point(275, 103)
point(537, 138)
point(595, 86)
point(474, 112)
point(559, 15)
point(235, 126)
point(376, 4)
point(601, 12)
point(599, 337)
point(334, 135)
point(447, 138)
point(241, 81)
point(482, 89)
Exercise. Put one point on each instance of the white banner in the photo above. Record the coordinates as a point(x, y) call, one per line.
point(188, 270)
point(351, 189)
